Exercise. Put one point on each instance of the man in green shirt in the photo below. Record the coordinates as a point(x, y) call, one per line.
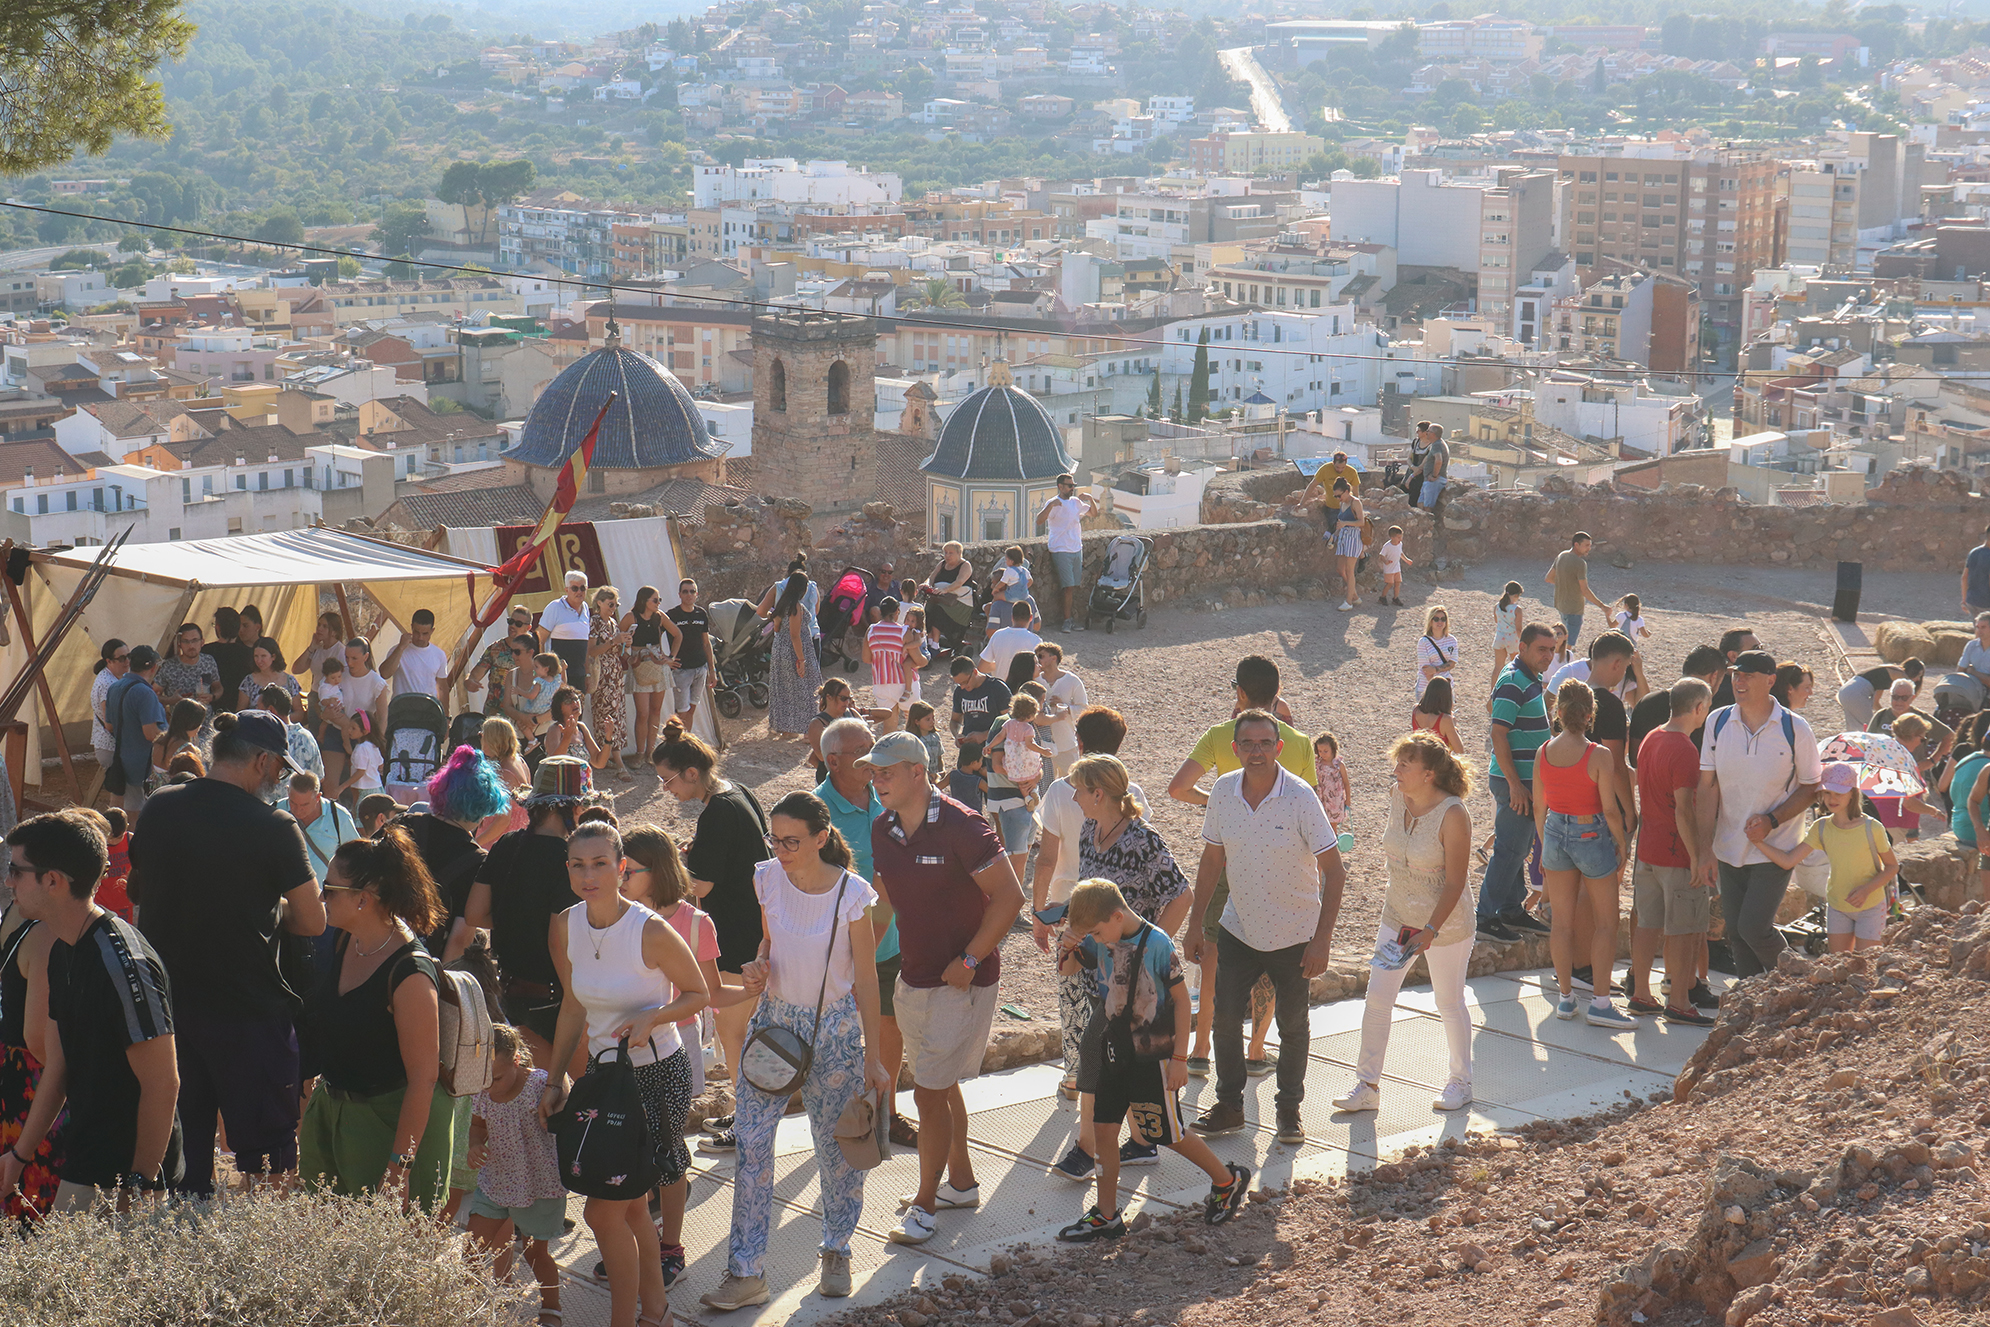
point(1570, 577)
point(1257, 683)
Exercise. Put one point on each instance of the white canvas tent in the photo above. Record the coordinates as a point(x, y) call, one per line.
point(152, 588)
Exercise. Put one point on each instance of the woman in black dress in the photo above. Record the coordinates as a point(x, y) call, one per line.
point(519, 888)
point(24, 946)
point(729, 842)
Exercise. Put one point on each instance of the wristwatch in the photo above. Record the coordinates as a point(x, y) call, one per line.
point(134, 1180)
point(970, 962)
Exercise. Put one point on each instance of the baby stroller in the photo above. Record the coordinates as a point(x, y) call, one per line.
point(416, 730)
point(842, 618)
point(741, 656)
point(1956, 697)
point(1119, 594)
point(466, 729)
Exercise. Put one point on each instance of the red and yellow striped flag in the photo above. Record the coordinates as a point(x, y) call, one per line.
point(565, 493)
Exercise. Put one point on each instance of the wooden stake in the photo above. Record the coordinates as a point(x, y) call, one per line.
point(41, 685)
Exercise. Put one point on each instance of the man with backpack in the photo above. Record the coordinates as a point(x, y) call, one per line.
point(1758, 764)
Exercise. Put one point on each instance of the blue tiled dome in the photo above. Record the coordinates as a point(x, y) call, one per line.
point(999, 433)
point(655, 422)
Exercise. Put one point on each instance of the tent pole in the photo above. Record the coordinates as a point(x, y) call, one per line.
point(41, 685)
point(173, 622)
point(345, 610)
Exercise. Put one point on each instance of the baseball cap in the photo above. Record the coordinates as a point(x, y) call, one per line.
point(1840, 777)
point(1755, 661)
point(264, 731)
point(894, 749)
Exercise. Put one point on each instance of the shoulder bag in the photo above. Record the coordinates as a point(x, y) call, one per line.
point(776, 1059)
point(1120, 1046)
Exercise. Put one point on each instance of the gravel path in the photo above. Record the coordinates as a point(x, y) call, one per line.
point(1353, 674)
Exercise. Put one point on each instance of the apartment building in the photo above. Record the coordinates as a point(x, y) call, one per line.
point(352, 301)
point(561, 230)
point(1487, 37)
point(826, 184)
point(1824, 214)
point(1240, 152)
point(1496, 227)
point(1709, 218)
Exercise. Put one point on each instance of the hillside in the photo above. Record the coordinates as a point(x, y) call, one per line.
point(1817, 1164)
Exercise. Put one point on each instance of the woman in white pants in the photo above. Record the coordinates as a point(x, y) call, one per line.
point(1428, 844)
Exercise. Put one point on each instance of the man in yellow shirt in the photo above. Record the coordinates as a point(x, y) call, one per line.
point(1323, 483)
point(1257, 683)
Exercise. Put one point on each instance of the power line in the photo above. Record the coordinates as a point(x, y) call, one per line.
point(951, 324)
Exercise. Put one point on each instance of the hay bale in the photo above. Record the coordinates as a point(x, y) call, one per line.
point(1949, 642)
point(1895, 641)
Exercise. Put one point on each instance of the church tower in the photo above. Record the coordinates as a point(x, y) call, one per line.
point(814, 407)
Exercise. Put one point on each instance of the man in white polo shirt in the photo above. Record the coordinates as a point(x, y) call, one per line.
point(1758, 771)
point(1267, 830)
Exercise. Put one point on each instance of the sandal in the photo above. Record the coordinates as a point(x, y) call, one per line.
point(668, 1319)
point(1068, 1090)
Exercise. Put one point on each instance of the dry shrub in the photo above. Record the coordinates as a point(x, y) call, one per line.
point(261, 1260)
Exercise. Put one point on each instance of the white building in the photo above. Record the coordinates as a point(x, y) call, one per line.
point(1303, 362)
point(834, 184)
point(1653, 421)
point(1499, 226)
point(73, 290)
point(1171, 110)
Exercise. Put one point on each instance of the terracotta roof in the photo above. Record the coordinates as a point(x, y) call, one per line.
point(127, 419)
point(254, 443)
point(464, 481)
point(683, 498)
point(510, 504)
point(39, 455)
point(899, 481)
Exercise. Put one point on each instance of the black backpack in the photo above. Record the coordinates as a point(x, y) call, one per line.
point(603, 1136)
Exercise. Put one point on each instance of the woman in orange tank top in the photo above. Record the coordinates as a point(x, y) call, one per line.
point(1574, 805)
point(1433, 714)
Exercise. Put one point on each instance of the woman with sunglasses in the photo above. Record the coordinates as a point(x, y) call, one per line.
point(725, 850)
point(1436, 649)
point(501, 658)
point(816, 926)
point(378, 1119)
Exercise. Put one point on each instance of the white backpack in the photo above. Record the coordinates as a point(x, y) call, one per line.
point(465, 1027)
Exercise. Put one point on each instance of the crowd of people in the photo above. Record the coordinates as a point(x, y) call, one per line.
point(249, 955)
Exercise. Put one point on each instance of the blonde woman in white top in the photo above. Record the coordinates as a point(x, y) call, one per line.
point(1428, 844)
point(813, 914)
point(619, 965)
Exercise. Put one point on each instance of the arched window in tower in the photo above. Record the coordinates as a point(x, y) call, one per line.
point(839, 388)
point(777, 387)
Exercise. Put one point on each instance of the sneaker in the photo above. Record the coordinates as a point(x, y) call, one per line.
point(1198, 1066)
point(717, 1124)
point(1689, 1016)
point(1382, 599)
point(1644, 1008)
point(1703, 996)
point(915, 1227)
point(1396, 602)
point(1523, 922)
point(1258, 1068)
point(1606, 1015)
point(736, 1292)
point(1566, 1009)
point(1456, 1096)
point(1290, 1128)
point(1139, 1154)
point(1092, 1226)
point(1364, 1097)
point(1583, 978)
point(1069, 626)
point(1224, 1199)
point(673, 1264)
point(834, 1281)
point(1077, 1164)
point(1494, 931)
point(947, 1198)
point(1345, 606)
point(1219, 1119)
point(719, 1142)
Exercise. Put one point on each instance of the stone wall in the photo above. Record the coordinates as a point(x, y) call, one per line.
point(1916, 519)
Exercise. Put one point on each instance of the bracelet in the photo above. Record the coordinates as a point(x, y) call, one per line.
point(15, 1153)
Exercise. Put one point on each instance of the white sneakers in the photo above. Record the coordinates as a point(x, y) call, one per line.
point(915, 1228)
point(1456, 1096)
point(1345, 606)
point(1365, 1097)
point(947, 1198)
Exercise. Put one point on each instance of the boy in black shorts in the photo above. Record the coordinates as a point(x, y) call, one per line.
point(1147, 1019)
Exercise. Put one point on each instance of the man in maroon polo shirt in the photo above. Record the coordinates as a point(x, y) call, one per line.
point(941, 869)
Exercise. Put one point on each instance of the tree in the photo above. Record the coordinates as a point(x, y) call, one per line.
point(480, 189)
point(80, 258)
point(1198, 383)
point(1176, 413)
point(401, 225)
point(401, 269)
point(348, 267)
point(280, 226)
point(75, 73)
point(1154, 396)
point(935, 293)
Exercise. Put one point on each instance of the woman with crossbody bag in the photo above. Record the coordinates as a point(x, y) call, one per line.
point(818, 1015)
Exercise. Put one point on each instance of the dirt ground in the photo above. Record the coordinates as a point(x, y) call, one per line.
point(1353, 674)
point(1817, 1164)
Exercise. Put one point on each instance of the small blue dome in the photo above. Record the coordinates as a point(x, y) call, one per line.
point(1001, 433)
point(655, 422)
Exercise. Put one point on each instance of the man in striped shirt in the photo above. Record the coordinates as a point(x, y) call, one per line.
point(886, 643)
point(1519, 727)
point(111, 1059)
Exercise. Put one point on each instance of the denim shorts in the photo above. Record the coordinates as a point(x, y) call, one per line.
point(1579, 843)
point(1017, 825)
point(1070, 568)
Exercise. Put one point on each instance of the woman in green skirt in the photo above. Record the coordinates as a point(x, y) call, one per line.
point(377, 1119)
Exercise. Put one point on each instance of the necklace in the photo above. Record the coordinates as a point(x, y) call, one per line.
point(1100, 839)
point(602, 931)
point(364, 952)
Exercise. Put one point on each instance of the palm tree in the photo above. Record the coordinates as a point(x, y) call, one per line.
point(935, 293)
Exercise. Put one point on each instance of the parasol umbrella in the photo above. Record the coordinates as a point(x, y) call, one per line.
point(1886, 767)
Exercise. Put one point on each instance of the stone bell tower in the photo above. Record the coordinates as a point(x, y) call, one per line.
point(814, 407)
